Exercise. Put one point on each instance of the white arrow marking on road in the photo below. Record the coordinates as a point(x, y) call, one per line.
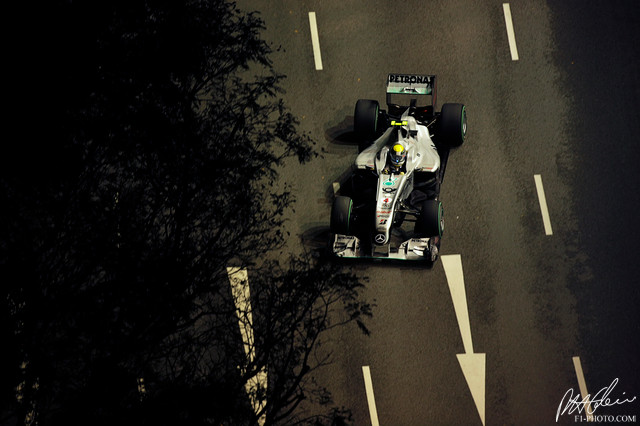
point(473, 365)
point(371, 400)
point(239, 280)
point(336, 188)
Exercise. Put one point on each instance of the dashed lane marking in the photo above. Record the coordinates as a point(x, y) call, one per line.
point(510, 32)
point(315, 40)
point(577, 365)
point(546, 220)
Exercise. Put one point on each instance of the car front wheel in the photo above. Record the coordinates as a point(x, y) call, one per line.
point(341, 215)
point(430, 223)
point(365, 121)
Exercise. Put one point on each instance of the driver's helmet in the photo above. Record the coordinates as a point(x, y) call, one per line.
point(398, 154)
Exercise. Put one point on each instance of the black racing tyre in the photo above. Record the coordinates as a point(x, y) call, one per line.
point(365, 121)
point(430, 223)
point(453, 124)
point(341, 215)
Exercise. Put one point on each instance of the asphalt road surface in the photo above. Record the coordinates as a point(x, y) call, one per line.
point(551, 308)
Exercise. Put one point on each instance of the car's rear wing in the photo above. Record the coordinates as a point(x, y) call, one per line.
point(411, 84)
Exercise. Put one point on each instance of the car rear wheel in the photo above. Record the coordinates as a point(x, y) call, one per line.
point(430, 223)
point(454, 124)
point(365, 121)
point(341, 215)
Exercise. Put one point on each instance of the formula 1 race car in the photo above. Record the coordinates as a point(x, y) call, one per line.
point(397, 175)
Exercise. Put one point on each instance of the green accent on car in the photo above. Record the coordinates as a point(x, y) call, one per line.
point(390, 182)
point(463, 124)
point(375, 124)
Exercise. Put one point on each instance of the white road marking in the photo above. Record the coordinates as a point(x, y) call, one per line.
point(583, 387)
point(315, 40)
point(452, 265)
point(142, 390)
point(474, 368)
point(336, 188)
point(368, 385)
point(31, 414)
point(239, 280)
point(510, 33)
point(473, 365)
point(543, 205)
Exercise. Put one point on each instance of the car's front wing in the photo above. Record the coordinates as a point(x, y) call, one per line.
point(348, 246)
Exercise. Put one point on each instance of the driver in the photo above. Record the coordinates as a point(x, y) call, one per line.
point(397, 158)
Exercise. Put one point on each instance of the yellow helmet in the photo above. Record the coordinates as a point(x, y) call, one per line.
point(398, 154)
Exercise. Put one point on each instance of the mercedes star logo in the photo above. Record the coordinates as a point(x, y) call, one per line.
point(380, 238)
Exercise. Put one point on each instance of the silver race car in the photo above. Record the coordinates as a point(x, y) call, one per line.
point(397, 175)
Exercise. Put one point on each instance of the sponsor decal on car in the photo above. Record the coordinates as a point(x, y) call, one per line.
point(390, 182)
point(413, 79)
point(420, 240)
